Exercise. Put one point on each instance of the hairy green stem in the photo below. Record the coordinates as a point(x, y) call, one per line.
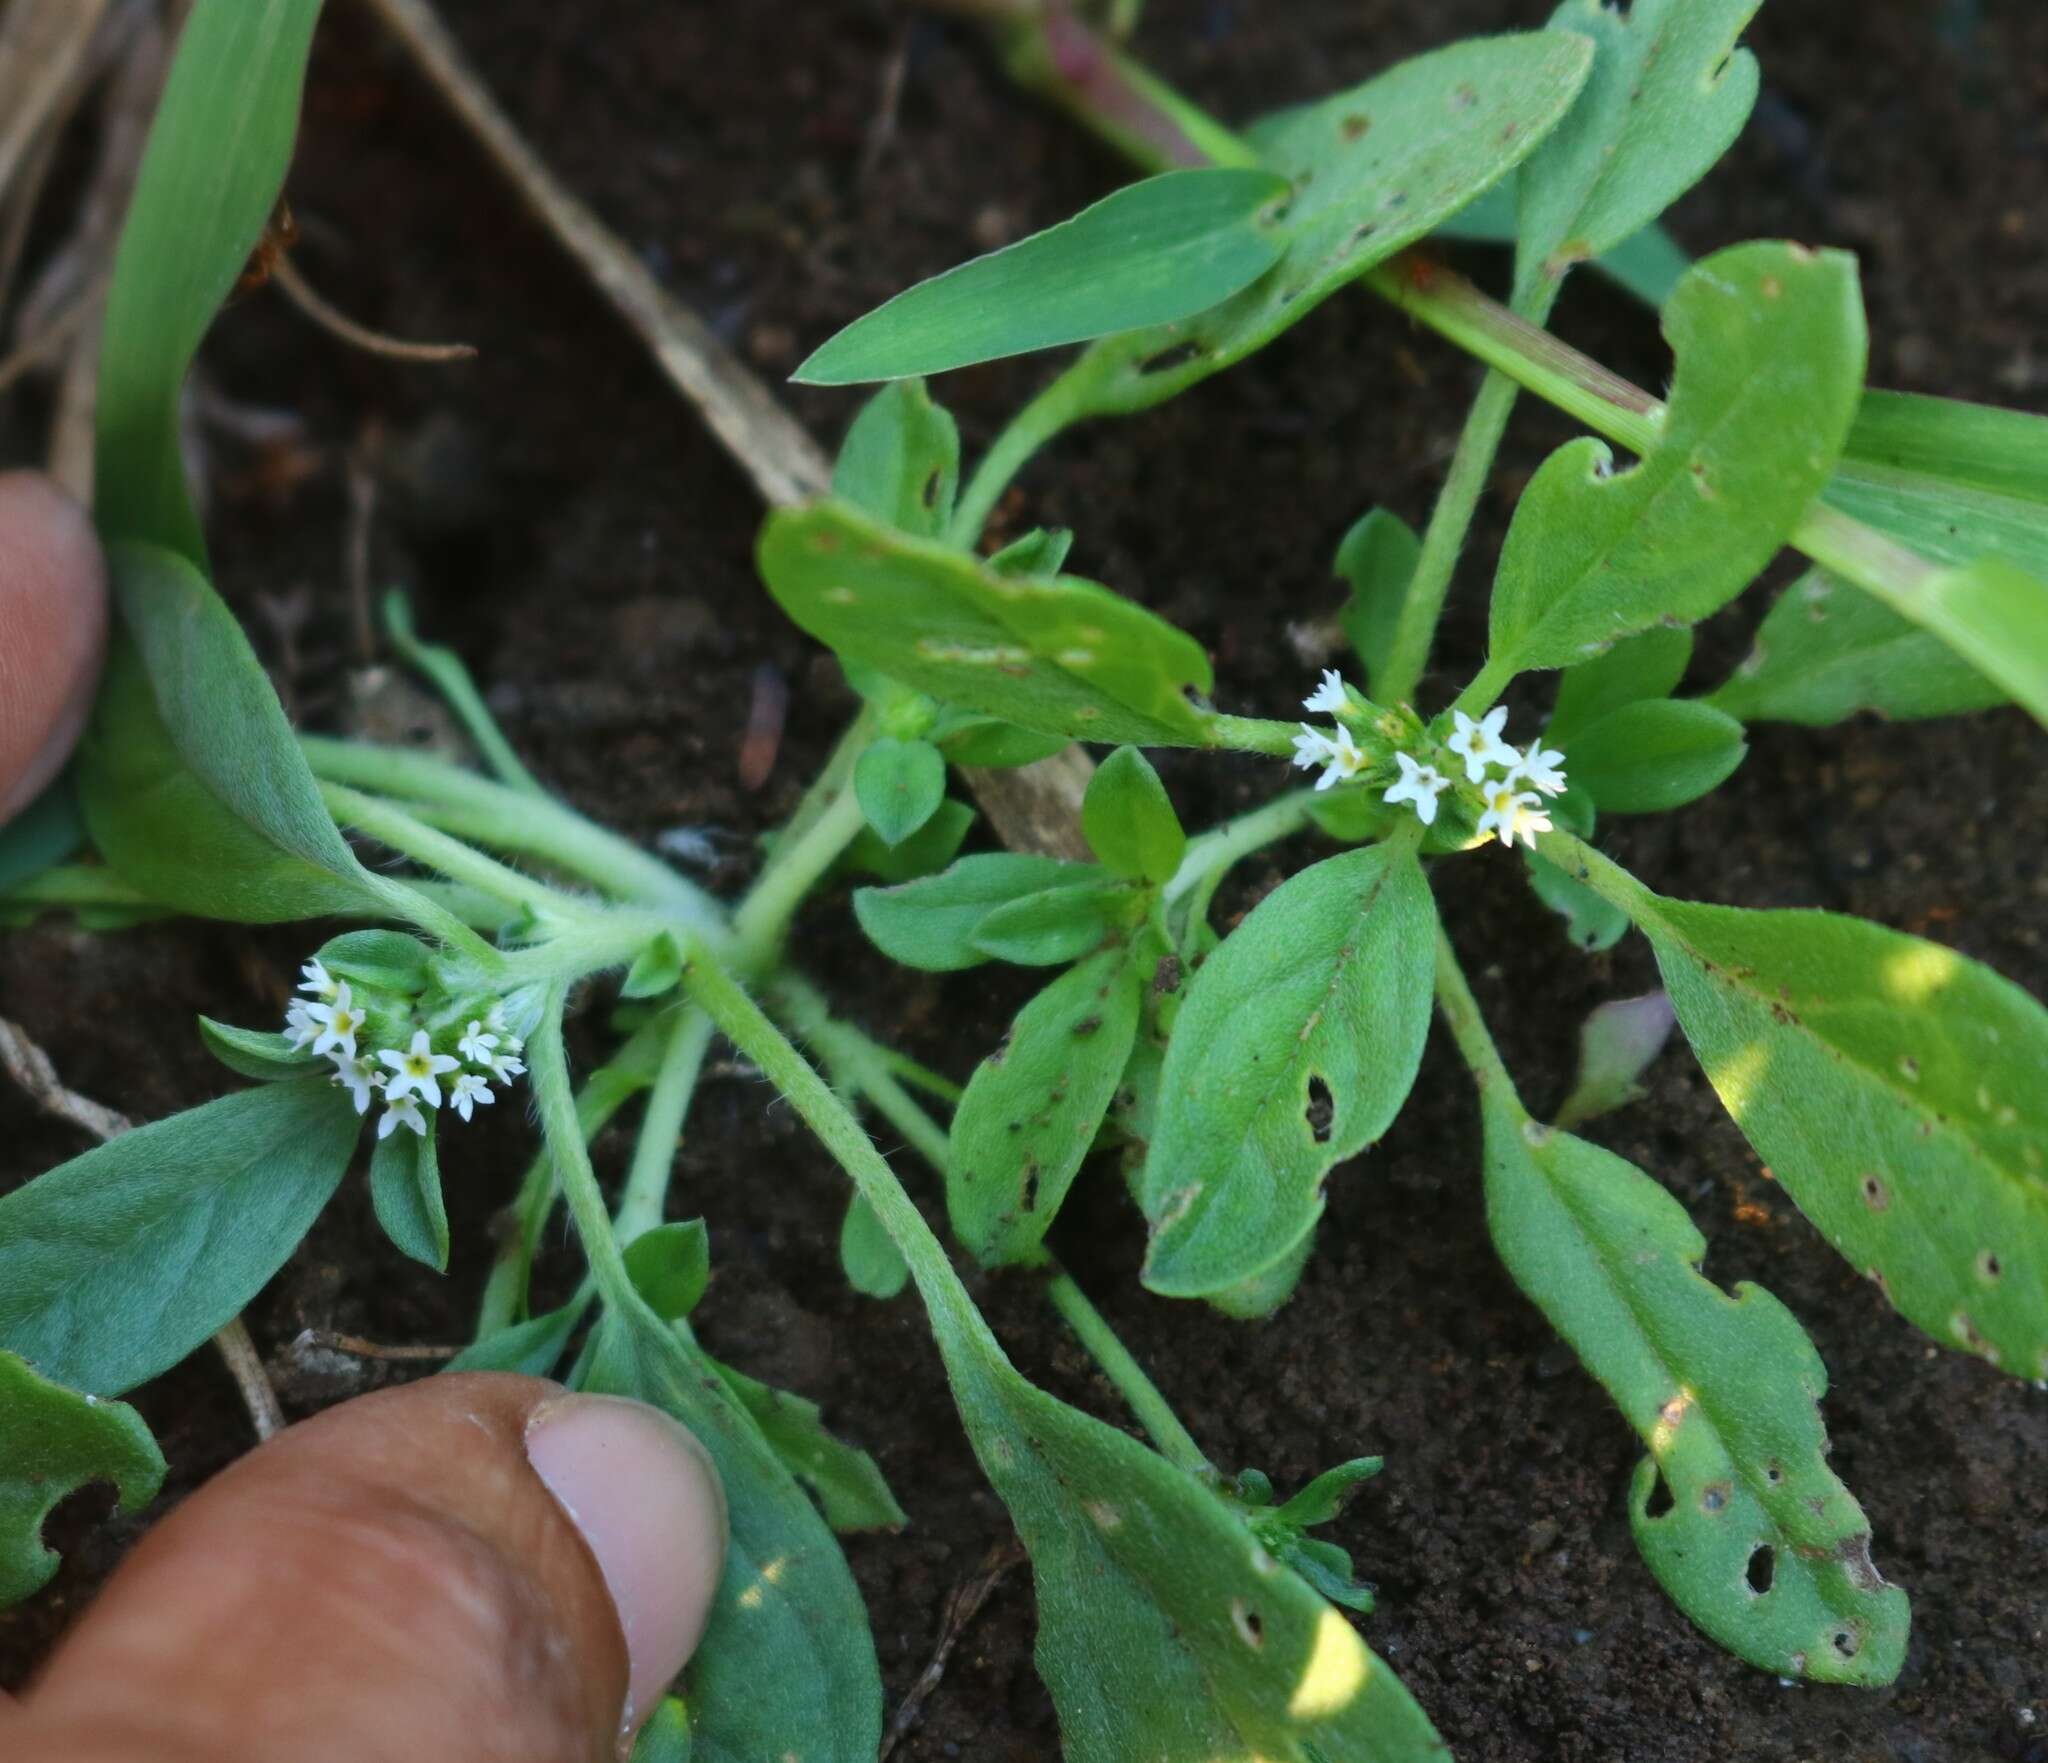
point(451, 679)
point(1214, 852)
point(1460, 1011)
point(1053, 410)
point(1139, 1392)
point(548, 1064)
point(1254, 734)
point(762, 919)
point(1603, 875)
point(644, 1201)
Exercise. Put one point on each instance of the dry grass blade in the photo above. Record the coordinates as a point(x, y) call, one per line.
point(30, 1067)
point(43, 46)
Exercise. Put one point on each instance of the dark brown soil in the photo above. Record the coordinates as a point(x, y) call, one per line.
point(564, 521)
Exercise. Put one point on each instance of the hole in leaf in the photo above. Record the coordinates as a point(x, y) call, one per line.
point(1848, 1642)
point(1875, 1195)
point(1246, 1620)
point(1774, 1475)
point(1321, 1110)
point(1355, 127)
point(1030, 1187)
point(1989, 1267)
point(1714, 1497)
point(931, 489)
point(1763, 1564)
point(1660, 1500)
point(1168, 359)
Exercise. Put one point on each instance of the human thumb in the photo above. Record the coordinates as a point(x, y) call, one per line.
point(472, 1567)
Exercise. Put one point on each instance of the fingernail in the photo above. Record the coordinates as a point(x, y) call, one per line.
point(647, 1500)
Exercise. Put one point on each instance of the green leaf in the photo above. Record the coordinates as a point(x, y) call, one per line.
point(787, 1665)
point(1770, 343)
point(846, 1480)
point(1041, 551)
point(1295, 1049)
point(1057, 654)
point(925, 852)
point(1996, 618)
point(1655, 754)
point(405, 1193)
point(1724, 1392)
point(1827, 651)
point(874, 1266)
point(901, 461)
point(1649, 264)
point(900, 785)
point(1894, 1089)
point(265, 1057)
point(1952, 481)
point(1155, 251)
point(42, 835)
point(1378, 558)
point(53, 1441)
point(381, 960)
point(656, 969)
point(209, 180)
point(1668, 94)
point(1329, 1493)
point(1592, 923)
point(1617, 1043)
point(967, 739)
point(532, 1348)
point(191, 780)
point(1374, 170)
point(1033, 1107)
point(1050, 928)
point(670, 1266)
point(666, 1736)
point(117, 1264)
point(1647, 665)
point(1129, 821)
point(930, 923)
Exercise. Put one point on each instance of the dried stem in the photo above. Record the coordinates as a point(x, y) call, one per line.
point(292, 282)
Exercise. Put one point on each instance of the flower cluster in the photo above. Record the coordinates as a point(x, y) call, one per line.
point(1514, 805)
point(329, 1019)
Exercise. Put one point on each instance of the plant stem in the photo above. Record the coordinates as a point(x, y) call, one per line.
point(1215, 851)
point(644, 1201)
point(1253, 734)
point(762, 919)
point(548, 1060)
point(1139, 1392)
point(1487, 685)
point(451, 678)
point(1468, 1028)
point(490, 814)
point(1025, 433)
point(1602, 874)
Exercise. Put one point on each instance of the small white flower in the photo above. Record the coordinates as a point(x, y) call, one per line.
point(337, 1023)
point(495, 1022)
point(505, 1068)
point(1420, 784)
point(1312, 748)
point(476, 1045)
point(470, 1092)
point(1329, 697)
point(1542, 766)
point(416, 1071)
point(1514, 814)
point(315, 978)
point(360, 1077)
point(299, 1024)
point(401, 1111)
point(1344, 762)
point(1479, 743)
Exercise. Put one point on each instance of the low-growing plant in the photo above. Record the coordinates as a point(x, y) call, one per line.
point(1894, 1088)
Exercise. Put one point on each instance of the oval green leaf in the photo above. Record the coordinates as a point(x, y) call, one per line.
point(901, 461)
point(1150, 253)
point(1655, 754)
point(1129, 821)
point(930, 923)
point(405, 1193)
point(900, 785)
point(1296, 1046)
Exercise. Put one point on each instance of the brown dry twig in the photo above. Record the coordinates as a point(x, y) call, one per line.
point(356, 1347)
point(963, 1604)
point(30, 1067)
point(292, 283)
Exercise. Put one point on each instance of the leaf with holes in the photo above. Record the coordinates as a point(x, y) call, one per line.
point(1034, 1106)
point(1655, 754)
point(849, 1486)
point(1295, 1049)
point(931, 923)
point(1723, 1390)
point(1770, 345)
point(1053, 653)
point(901, 460)
point(1162, 249)
point(1373, 170)
point(1827, 651)
point(1377, 558)
point(1894, 1088)
point(117, 1264)
point(1668, 94)
point(54, 1441)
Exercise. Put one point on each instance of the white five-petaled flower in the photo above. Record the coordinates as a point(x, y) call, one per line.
point(1337, 753)
point(300, 1025)
point(1420, 784)
point(476, 1045)
point(314, 978)
point(1329, 697)
point(505, 1068)
point(360, 1077)
point(1540, 765)
point(469, 1092)
point(401, 1111)
point(1514, 814)
point(1479, 743)
point(416, 1071)
point(337, 1023)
